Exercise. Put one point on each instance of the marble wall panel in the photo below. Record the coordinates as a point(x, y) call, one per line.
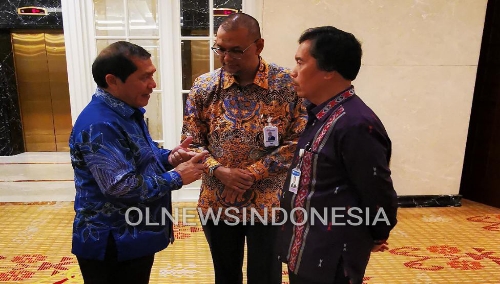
point(9, 19)
point(11, 136)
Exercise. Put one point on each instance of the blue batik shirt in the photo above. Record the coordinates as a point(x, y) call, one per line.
point(123, 182)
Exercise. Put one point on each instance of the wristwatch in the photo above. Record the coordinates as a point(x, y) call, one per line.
point(212, 169)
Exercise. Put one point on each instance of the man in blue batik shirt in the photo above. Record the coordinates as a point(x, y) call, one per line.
point(123, 180)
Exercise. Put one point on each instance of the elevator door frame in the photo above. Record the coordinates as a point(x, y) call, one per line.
point(43, 91)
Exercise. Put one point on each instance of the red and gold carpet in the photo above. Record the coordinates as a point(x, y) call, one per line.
point(429, 245)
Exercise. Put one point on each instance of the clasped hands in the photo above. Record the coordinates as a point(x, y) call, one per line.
point(236, 182)
point(187, 163)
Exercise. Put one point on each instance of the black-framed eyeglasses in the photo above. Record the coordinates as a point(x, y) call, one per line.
point(233, 53)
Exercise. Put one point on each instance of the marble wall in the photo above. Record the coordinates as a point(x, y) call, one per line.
point(11, 136)
point(419, 66)
point(9, 19)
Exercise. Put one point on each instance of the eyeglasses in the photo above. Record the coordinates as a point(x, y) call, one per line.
point(233, 53)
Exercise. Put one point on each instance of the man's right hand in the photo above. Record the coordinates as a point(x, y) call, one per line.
point(192, 169)
point(380, 247)
point(234, 179)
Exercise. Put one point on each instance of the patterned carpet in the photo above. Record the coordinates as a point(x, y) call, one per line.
point(429, 245)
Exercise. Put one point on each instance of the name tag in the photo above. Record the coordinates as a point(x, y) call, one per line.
point(271, 137)
point(294, 181)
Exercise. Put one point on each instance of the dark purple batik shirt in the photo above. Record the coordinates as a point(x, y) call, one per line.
point(346, 181)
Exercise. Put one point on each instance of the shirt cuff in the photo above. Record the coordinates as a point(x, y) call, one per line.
point(164, 157)
point(258, 170)
point(174, 179)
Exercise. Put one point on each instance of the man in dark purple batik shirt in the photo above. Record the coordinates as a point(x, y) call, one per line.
point(344, 205)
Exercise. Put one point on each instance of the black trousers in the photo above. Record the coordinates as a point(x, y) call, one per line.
point(110, 270)
point(227, 247)
point(340, 277)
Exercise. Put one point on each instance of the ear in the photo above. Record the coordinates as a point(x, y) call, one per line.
point(330, 75)
point(260, 45)
point(111, 80)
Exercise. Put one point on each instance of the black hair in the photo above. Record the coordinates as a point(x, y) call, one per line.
point(334, 50)
point(116, 60)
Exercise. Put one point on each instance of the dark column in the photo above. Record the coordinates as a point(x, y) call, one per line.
point(11, 134)
point(480, 178)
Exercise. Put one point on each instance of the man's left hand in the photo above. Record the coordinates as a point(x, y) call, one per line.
point(232, 196)
point(181, 153)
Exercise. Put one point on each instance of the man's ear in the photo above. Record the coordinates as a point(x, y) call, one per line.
point(111, 80)
point(260, 45)
point(330, 75)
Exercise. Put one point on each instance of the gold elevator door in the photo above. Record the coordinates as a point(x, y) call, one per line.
point(42, 83)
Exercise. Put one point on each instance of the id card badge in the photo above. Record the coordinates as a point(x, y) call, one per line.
point(294, 181)
point(295, 175)
point(271, 135)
